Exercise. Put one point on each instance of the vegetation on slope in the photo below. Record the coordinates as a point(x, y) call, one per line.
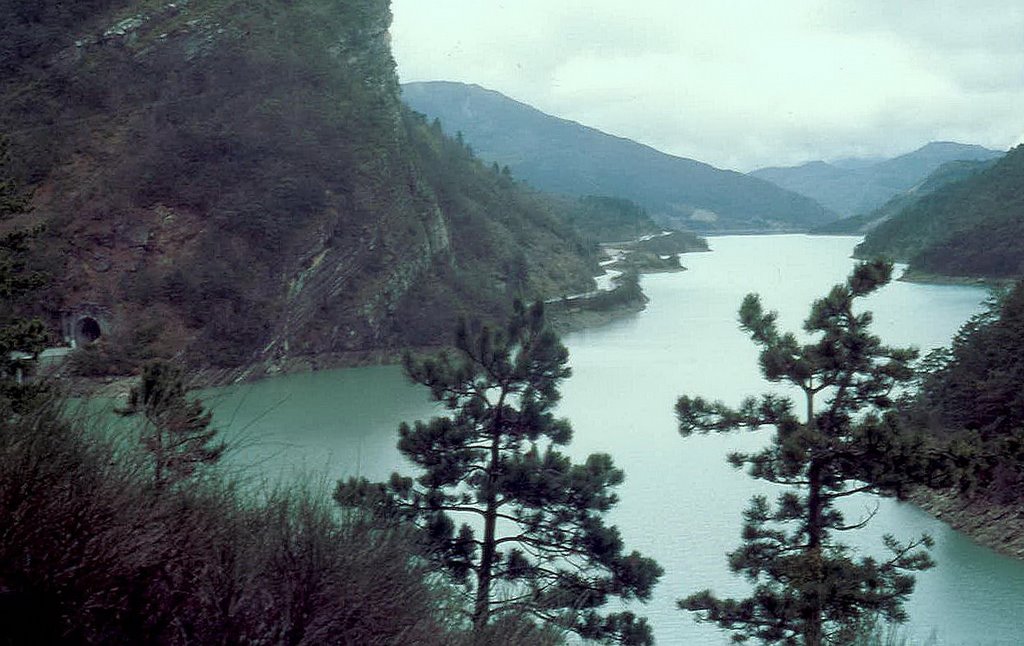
point(974, 392)
point(241, 181)
point(506, 242)
point(20, 337)
point(624, 224)
point(91, 552)
point(863, 223)
point(668, 243)
point(971, 400)
point(974, 227)
point(610, 219)
point(565, 157)
point(855, 189)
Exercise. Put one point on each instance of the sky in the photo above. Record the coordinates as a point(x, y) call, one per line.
point(739, 84)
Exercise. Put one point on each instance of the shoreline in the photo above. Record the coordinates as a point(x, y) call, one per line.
point(997, 527)
point(563, 322)
point(563, 319)
point(926, 278)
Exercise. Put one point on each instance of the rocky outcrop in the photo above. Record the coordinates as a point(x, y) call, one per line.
point(1000, 527)
point(239, 185)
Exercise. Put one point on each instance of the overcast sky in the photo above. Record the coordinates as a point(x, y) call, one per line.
point(739, 84)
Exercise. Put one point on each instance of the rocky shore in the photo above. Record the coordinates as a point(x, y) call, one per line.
point(1000, 527)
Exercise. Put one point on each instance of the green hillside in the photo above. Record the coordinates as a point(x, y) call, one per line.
point(850, 188)
point(970, 228)
point(565, 157)
point(864, 222)
point(973, 393)
point(612, 219)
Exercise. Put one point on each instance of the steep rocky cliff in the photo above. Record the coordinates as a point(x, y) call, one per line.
point(238, 182)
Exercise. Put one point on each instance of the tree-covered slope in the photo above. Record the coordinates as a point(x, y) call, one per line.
point(970, 228)
point(862, 223)
point(972, 394)
point(565, 157)
point(610, 219)
point(850, 189)
point(614, 219)
point(239, 180)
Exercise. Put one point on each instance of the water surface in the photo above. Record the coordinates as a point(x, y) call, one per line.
point(681, 502)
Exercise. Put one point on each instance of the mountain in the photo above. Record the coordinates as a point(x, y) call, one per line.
point(850, 187)
point(238, 184)
point(565, 157)
point(855, 163)
point(862, 223)
point(970, 228)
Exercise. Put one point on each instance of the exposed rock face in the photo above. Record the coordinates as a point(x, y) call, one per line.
point(1000, 527)
point(239, 182)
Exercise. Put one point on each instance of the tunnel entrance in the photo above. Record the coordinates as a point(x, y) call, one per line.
point(87, 330)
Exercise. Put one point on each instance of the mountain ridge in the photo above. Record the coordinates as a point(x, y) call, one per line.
point(863, 223)
point(564, 156)
point(971, 228)
point(852, 188)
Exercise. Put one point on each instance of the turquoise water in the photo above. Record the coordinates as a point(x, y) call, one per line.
point(681, 502)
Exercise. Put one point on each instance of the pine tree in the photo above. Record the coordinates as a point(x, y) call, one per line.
point(175, 429)
point(21, 338)
point(494, 462)
point(809, 588)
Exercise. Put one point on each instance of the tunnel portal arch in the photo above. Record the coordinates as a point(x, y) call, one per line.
point(87, 330)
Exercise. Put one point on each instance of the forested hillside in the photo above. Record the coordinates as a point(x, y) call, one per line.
point(240, 180)
point(862, 223)
point(970, 228)
point(613, 219)
point(565, 157)
point(972, 398)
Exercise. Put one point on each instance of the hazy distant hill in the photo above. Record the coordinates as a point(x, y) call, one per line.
point(850, 187)
point(862, 223)
point(565, 157)
point(974, 227)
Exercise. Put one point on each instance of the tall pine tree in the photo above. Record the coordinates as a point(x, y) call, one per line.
point(176, 429)
point(534, 540)
point(809, 588)
point(21, 338)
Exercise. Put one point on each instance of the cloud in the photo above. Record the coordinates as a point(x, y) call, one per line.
point(739, 84)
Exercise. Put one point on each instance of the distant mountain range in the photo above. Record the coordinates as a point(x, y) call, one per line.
point(968, 228)
point(850, 187)
point(565, 157)
point(863, 223)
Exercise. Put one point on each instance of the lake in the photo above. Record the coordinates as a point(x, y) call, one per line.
point(681, 503)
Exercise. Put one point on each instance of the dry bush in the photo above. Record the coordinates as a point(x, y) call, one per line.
point(91, 552)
